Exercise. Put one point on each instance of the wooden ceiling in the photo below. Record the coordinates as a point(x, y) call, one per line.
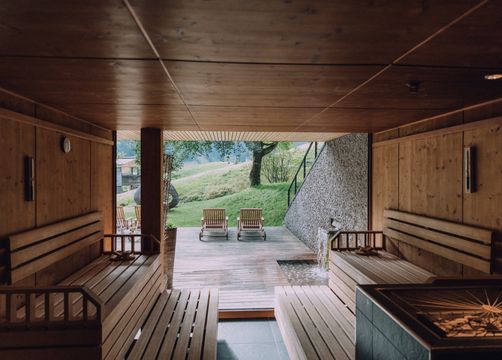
point(300, 66)
point(179, 135)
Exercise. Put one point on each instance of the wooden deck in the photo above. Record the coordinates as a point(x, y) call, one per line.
point(246, 271)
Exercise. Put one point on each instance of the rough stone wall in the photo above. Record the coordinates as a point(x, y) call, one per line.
point(336, 188)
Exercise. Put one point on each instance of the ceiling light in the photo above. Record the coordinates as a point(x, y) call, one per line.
point(493, 76)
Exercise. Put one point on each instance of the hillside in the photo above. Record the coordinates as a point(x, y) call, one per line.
point(272, 198)
point(220, 185)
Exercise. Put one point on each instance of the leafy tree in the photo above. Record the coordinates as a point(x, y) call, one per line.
point(126, 148)
point(183, 150)
point(278, 166)
point(259, 150)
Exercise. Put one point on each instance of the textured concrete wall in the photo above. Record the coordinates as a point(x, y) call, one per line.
point(336, 187)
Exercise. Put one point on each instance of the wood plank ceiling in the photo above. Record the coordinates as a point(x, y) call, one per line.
point(252, 66)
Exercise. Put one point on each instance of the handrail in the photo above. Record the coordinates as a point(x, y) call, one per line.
point(353, 240)
point(303, 166)
point(45, 306)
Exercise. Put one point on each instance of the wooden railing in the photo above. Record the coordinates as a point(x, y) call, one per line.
point(46, 306)
point(129, 243)
point(301, 173)
point(353, 240)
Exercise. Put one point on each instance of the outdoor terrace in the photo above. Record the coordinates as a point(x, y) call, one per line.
point(245, 272)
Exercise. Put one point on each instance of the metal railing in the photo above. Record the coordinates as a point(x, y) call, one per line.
point(308, 161)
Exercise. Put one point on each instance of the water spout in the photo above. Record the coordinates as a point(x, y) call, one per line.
point(322, 249)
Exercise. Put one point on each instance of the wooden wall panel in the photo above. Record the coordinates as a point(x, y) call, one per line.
point(384, 181)
point(429, 184)
point(63, 180)
point(102, 183)
point(16, 141)
point(430, 173)
point(483, 207)
point(67, 184)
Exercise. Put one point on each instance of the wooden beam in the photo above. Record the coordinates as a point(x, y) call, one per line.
point(29, 120)
point(151, 187)
point(444, 131)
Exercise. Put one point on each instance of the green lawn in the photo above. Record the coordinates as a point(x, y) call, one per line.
point(213, 185)
point(272, 198)
point(196, 169)
point(228, 188)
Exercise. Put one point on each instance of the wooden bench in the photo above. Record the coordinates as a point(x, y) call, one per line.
point(94, 313)
point(348, 269)
point(314, 323)
point(182, 325)
point(465, 244)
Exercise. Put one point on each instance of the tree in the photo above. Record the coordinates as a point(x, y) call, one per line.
point(259, 150)
point(183, 150)
point(278, 166)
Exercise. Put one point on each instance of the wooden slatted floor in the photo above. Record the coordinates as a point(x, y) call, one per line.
point(245, 272)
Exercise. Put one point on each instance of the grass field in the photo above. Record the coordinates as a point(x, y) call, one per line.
point(272, 198)
point(219, 185)
point(197, 169)
point(213, 183)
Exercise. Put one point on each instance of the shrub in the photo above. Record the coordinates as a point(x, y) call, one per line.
point(278, 167)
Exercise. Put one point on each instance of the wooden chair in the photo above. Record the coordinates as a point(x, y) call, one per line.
point(214, 220)
point(137, 209)
point(251, 220)
point(122, 222)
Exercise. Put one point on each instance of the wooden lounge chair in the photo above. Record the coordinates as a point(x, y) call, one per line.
point(251, 220)
point(137, 209)
point(214, 220)
point(122, 222)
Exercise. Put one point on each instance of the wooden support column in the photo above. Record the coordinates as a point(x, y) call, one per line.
point(151, 187)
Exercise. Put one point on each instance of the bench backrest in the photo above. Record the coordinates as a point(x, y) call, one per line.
point(36, 249)
point(214, 216)
point(464, 244)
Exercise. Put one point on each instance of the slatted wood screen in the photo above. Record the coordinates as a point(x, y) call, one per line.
point(467, 245)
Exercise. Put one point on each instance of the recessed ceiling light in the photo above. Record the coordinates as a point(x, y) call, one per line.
point(493, 76)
